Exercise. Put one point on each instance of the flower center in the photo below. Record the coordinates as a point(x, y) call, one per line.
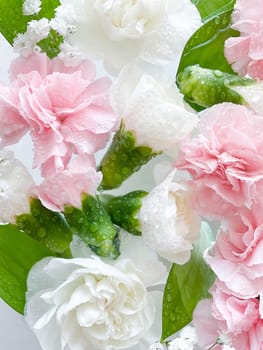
point(131, 19)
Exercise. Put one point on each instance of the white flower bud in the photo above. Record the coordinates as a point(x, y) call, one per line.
point(15, 183)
point(168, 223)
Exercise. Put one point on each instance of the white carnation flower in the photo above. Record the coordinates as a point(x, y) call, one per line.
point(168, 223)
point(15, 183)
point(85, 303)
point(253, 95)
point(122, 30)
point(155, 113)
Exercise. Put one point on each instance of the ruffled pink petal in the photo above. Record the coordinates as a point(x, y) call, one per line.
point(84, 141)
point(225, 160)
point(247, 50)
point(44, 66)
point(12, 124)
point(205, 324)
point(66, 187)
point(69, 90)
point(48, 144)
point(256, 46)
point(255, 69)
point(67, 110)
point(55, 164)
point(24, 65)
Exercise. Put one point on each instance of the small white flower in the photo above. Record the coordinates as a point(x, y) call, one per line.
point(225, 341)
point(25, 43)
point(227, 347)
point(168, 223)
point(157, 346)
point(15, 183)
point(155, 113)
point(180, 344)
point(69, 56)
point(37, 30)
point(122, 30)
point(186, 340)
point(31, 7)
point(85, 303)
point(63, 22)
point(189, 333)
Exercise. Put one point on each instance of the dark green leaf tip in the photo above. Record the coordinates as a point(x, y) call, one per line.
point(123, 158)
point(123, 210)
point(93, 225)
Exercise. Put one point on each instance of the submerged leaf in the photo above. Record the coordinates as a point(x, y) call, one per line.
point(206, 46)
point(18, 253)
point(186, 285)
point(94, 226)
point(209, 9)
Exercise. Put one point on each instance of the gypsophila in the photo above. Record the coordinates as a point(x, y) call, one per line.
point(157, 346)
point(36, 31)
point(225, 340)
point(31, 7)
point(186, 340)
point(63, 22)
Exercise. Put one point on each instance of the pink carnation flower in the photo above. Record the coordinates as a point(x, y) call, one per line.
point(237, 257)
point(225, 160)
point(65, 108)
point(12, 125)
point(227, 318)
point(246, 52)
point(67, 185)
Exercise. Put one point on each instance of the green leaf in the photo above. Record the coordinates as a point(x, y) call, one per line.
point(186, 285)
point(206, 87)
point(94, 226)
point(209, 9)
point(51, 45)
point(123, 210)
point(47, 227)
point(18, 253)
point(206, 46)
point(123, 158)
point(13, 21)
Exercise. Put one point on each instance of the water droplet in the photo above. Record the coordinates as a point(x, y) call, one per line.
point(41, 232)
point(169, 298)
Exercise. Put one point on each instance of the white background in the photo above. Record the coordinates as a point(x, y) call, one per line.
point(14, 334)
